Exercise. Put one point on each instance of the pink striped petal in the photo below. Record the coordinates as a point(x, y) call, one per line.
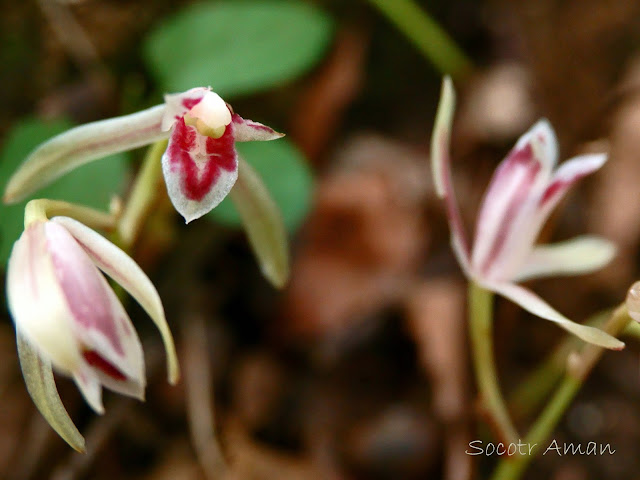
point(504, 231)
point(106, 338)
point(441, 171)
point(535, 305)
point(125, 271)
point(566, 175)
point(199, 171)
point(249, 131)
point(580, 255)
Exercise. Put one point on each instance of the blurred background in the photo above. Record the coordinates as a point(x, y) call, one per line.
point(359, 368)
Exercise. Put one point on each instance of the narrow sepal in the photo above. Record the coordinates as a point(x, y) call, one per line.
point(38, 377)
point(81, 145)
point(535, 305)
point(567, 174)
point(249, 131)
point(125, 271)
point(584, 254)
point(441, 169)
point(263, 223)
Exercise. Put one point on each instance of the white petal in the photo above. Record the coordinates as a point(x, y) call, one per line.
point(36, 301)
point(81, 145)
point(38, 377)
point(263, 222)
point(249, 131)
point(441, 170)
point(124, 270)
point(89, 385)
point(580, 255)
point(535, 305)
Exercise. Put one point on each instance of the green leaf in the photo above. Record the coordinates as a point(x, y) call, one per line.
point(92, 185)
point(286, 175)
point(237, 47)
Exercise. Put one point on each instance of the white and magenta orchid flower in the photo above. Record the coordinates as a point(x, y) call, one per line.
point(200, 164)
point(524, 189)
point(67, 315)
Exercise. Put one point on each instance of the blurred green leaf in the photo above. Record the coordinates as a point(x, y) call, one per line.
point(286, 175)
point(237, 47)
point(93, 184)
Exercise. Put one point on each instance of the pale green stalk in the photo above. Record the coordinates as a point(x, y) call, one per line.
point(43, 209)
point(579, 367)
point(480, 325)
point(142, 196)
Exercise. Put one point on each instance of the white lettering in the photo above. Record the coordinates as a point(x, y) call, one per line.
point(471, 445)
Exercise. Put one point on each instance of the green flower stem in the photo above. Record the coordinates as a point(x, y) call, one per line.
point(632, 330)
point(432, 41)
point(42, 209)
point(579, 367)
point(537, 386)
point(143, 195)
point(480, 325)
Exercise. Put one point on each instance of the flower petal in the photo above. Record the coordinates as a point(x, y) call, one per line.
point(89, 385)
point(38, 377)
point(36, 301)
point(263, 223)
point(535, 305)
point(81, 145)
point(543, 140)
point(504, 230)
point(249, 131)
point(441, 170)
point(125, 271)
point(566, 175)
point(199, 171)
point(580, 255)
point(101, 327)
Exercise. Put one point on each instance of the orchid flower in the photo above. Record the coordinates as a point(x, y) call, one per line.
point(67, 316)
point(524, 189)
point(200, 164)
